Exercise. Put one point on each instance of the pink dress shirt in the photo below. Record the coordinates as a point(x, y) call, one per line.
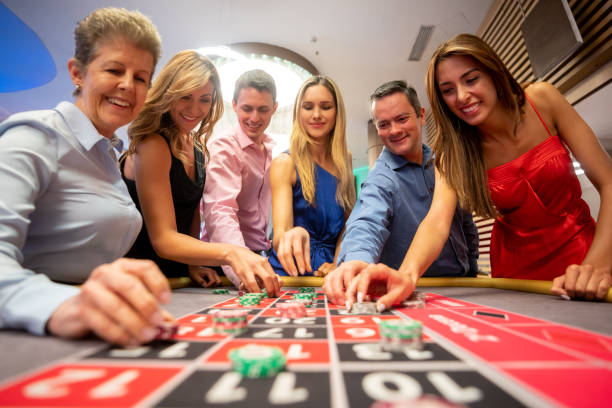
point(237, 196)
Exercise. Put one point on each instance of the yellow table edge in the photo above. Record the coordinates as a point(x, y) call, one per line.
point(521, 285)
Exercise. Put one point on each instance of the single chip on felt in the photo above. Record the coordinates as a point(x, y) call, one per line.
point(362, 308)
point(166, 331)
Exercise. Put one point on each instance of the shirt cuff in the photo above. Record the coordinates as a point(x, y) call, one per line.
point(35, 305)
point(357, 256)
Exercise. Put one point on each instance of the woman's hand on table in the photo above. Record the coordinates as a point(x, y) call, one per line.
point(583, 282)
point(120, 303)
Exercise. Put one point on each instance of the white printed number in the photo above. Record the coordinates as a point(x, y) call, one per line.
point(283, 391)
point(277, 332)
point(56, 387)
point(376, 386)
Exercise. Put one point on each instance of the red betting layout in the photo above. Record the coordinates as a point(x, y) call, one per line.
point(473, 356)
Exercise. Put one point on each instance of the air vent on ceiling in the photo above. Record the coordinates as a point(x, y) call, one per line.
point(421, 42)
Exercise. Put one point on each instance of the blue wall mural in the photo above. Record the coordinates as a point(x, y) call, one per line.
point(25, 62)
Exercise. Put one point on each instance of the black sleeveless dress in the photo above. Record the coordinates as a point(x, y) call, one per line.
point(186, 196)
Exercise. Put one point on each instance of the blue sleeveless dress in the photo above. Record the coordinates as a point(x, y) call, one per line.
point(324, 221)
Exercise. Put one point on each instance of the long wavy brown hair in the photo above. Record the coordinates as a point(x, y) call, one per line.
point(183, 74)
point(457, 145)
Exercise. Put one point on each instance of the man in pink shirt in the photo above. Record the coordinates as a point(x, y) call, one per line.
point(237, 196)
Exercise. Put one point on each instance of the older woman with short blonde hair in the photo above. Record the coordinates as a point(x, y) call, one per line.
point(65, 214)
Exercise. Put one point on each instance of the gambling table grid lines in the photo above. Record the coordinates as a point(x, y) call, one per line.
point(472, 356)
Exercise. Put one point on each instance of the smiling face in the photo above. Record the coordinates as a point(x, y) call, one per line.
point(398, 126)
point(318, 112)
point(466, 88)
point(113, 85)
point(254, 109)
point(189, 110)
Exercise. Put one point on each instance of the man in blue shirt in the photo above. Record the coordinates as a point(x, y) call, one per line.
point(395, 198)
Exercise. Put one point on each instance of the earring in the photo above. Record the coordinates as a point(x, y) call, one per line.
point(77, 88)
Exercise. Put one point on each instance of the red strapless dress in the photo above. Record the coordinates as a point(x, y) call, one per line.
point(545, 225)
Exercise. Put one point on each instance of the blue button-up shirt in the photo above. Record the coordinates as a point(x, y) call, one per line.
point(64, 210)
point(394, 199)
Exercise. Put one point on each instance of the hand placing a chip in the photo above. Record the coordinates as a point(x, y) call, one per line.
point(254, 271)
point(120, 303)
point(260, 286)
point(380, 280)
point(337, 282)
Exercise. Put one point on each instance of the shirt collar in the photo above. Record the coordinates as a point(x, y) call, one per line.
point(82, 128)
point(244, 141)
point(396, 162)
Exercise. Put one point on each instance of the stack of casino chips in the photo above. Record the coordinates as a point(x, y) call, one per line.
point(364, 308)
point(257, 361)
point(230, 321)
point(306, 298)
point(417, 300)
point(292, 310)
point(263, 293)
point(306, 290)
point(399, 334)
point(250, 299)
point(220, 292)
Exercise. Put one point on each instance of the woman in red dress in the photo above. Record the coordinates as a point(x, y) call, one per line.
point(504, 152)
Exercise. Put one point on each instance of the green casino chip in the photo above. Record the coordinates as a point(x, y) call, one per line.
point(253, 295)
point(256, 361)
point(299, 296)
point(400, 329)
point(220, 292)
point(248, 300)
point(306, 290)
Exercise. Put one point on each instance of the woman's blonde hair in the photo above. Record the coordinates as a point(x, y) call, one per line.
point(184, 73)
point(300, 148)
point(457, 145)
